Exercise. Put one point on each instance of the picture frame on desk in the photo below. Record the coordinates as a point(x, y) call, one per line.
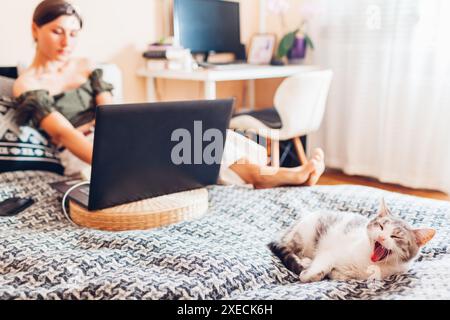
point(261, 49)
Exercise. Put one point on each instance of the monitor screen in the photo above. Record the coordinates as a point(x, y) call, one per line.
point(207, 25)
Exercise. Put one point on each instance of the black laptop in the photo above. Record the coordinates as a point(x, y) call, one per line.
point(152, 149)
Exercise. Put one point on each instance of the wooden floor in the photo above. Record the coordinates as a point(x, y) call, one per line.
point(333, 177)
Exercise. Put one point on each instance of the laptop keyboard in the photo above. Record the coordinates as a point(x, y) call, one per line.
point(84, 189)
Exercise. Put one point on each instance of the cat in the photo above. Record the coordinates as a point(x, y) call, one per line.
point(344, 246)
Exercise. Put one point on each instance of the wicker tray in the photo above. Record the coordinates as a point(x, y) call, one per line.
point(145, 214)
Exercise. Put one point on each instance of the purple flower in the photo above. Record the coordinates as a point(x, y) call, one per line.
point(308, 10)
point(278, 6)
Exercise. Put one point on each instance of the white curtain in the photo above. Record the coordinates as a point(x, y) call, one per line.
point(388, 112)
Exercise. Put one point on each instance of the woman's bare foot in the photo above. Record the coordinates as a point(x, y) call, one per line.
point(285, 176)
point(263, 177)
point(318, 160)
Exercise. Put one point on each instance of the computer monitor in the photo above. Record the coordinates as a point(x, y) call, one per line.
point(206, 26)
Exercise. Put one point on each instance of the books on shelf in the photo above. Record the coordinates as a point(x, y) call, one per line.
point(161, 57)
point(156, 64)
point(165, 52)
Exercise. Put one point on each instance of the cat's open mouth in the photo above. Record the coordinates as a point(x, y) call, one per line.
point(379, 252)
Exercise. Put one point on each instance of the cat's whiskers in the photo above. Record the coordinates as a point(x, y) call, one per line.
point(396, 260)
point(385, 259)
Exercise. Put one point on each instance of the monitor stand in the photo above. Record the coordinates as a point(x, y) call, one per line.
point(223, 65)
point(219, 58)
point(236, 56)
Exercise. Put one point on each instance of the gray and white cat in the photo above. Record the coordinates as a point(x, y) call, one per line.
point(343, 246)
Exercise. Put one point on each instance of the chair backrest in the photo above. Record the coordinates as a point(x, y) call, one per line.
point(300, 101)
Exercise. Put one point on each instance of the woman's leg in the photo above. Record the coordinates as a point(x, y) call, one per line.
point(269, 177)
point(319, 157)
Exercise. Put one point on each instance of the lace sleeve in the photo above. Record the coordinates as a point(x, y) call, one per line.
point(98, 84)
point(33, 106)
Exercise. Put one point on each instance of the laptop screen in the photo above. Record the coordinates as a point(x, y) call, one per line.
point(148, 150)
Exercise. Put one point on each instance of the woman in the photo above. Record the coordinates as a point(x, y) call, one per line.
point(58, 94)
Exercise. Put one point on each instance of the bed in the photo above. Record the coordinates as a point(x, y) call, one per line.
point(223, 255)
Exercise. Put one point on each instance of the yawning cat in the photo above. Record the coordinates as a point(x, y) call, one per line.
point(344, 246)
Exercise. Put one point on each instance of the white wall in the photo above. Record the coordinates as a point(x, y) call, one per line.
point(115, 31)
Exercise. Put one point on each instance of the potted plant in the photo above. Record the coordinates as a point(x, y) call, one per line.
point(294, 45)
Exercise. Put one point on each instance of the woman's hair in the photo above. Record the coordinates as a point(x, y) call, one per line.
point(49, 10)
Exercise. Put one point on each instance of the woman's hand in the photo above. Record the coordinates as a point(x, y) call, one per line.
point(87, 128)
point(56, 142)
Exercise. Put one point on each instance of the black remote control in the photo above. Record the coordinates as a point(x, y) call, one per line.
point(13, 206)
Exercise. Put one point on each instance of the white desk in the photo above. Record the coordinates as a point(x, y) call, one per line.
point(211, 76)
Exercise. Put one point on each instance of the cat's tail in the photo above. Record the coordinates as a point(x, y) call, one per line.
point(289, 259)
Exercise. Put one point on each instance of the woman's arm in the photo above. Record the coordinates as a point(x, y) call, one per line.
point(104, 98)
point(61, 130)
point(89, 66)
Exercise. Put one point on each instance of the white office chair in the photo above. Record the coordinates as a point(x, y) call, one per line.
point(299, 107)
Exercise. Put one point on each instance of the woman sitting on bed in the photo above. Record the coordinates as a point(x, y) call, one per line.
point(59, 93)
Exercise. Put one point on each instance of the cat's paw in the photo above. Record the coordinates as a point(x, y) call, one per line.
point(338, 276)
point(374, 273)
point(308, 276)
point(305, 262)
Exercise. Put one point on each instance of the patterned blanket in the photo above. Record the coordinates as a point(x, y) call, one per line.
point(223, 255)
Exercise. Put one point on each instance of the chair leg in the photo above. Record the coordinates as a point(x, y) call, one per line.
point(275, 153)
point(300, 151)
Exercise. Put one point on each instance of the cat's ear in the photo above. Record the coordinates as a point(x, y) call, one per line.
point(424, 235)
point(384, 210)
